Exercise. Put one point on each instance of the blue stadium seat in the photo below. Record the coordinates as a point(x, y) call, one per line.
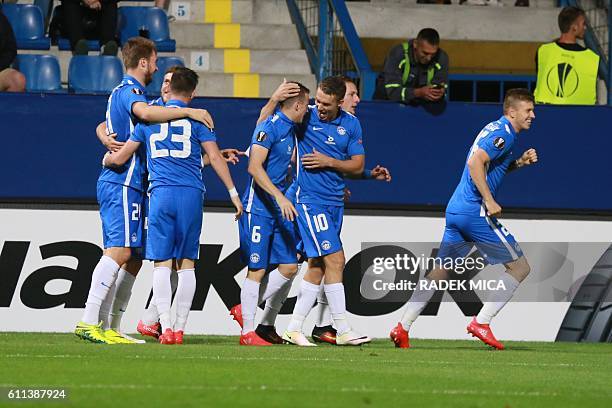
point(153, 19)
point(29, 26)
point(94, 74)
point(163, 63)
point(42, 72)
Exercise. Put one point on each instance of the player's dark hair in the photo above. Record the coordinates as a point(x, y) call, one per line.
point(172, 69)
point(301, 96)
point(184, 81)
point(135, 49)
point(517, 95)
point(333, 85)
point(347, 79)
point(568, 16)
point(430, 35)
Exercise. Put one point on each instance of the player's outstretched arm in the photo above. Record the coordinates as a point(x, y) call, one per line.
point(157, 114)
point(284, 91)
point(477, 164)
point(377, 173)
point(317, 160)
point(109, 141)
point(528, 158)
point(256, 159)
point(220, 166)
point(120, 157)
point(230, 155)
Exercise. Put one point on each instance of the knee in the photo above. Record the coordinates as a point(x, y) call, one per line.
point(519, 269)
point(19, 82)
point(288, 271)
point(256, 275)
point(335, 262)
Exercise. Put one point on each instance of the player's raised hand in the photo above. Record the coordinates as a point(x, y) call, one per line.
point(285, 91)
point(201, 115)
point(381, 173)
point(238, 204)
point(112, 144)
point(316, 160)
point(529, 157)
point(232, 155)
point(493, 209)
point(287, 209)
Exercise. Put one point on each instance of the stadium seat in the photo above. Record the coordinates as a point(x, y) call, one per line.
point(163, 63)
point(42, 72)
point(94, 74)
point(152, 19)
point(29, 26)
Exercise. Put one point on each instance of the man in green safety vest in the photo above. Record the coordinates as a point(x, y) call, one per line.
point(567, 72)
point(416, 73)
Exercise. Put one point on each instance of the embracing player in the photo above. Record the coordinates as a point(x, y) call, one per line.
point(470, 218)
point(120, 190)
point(174, 158)
point(267, 234)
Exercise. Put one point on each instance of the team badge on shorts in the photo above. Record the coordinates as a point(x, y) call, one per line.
point(254, 257)
point(341, 131)
point(134, 237)
point(326, 245)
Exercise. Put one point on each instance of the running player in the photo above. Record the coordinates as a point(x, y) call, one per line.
point(267, 232)
point(174, 151)
point(471, 218)
point(120, 191)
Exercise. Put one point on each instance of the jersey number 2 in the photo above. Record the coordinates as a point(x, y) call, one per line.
point(183, 138)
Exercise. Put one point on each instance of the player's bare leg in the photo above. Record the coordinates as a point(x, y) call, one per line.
point(516, 272)
point(419, 299)
point(185, 291)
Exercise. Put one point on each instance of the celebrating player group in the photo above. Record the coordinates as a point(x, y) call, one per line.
point(151, 195)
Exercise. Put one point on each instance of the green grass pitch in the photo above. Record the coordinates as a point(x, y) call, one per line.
point(213, 371)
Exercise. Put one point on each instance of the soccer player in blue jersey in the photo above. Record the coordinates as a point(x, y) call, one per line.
point(120, 191)
point(267, 232)
point(174, 158)
point(471, 218)
point(329, 146)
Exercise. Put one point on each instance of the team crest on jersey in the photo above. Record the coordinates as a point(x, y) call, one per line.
point(137, 91)
point(326, 245)
point(261, 136)
point(499, 142)
point(254, 257)
point(341, 131)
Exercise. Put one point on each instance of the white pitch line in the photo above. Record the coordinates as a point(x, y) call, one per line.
point(274, 388)
point(332, 360)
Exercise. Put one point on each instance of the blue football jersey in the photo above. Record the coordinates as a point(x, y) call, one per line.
point(341, 139)
point(173, 149)
point(497, 139)
point(121, 120)
point(277, 134)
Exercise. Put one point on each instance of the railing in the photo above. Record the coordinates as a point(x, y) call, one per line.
point(329, 37)
point(485, 88)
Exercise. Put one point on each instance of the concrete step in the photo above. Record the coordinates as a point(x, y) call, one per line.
point(285, 62)
point(215, 84)
point(262, 37)
point(242, 11)
point(455, 22)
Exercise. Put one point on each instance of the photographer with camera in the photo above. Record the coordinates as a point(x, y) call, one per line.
point(416, 73)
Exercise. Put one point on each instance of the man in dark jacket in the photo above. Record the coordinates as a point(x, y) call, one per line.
point(11, 80)
point(416, 73)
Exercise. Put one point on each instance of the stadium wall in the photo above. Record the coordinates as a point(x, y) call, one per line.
point(47, 257)
point(51, 153)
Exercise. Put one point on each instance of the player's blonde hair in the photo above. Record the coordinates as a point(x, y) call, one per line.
point(513, 96)
point(135, 49)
